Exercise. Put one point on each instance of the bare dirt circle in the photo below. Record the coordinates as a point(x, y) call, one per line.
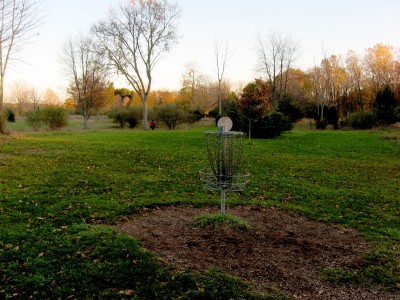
point(283, 250)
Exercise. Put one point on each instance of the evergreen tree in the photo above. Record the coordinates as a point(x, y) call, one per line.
point(386, 107)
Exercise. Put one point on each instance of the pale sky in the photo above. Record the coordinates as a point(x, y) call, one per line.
point(333, 26)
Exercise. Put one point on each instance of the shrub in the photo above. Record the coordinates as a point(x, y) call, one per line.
point(121, 116)
point(332, 117)
point(321, 124)
point(10, 115)
point(287, 107)
point(171, 115)
point(194, 115)
point(34, 118)
point(237, 118)
point(362, 120)
point(55, 117)
point(270, 126)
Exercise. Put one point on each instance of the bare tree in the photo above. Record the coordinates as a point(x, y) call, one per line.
point(221, 55)
point(193, 82)
point(276, 55)
point(134, 38)
point(18, 20)
point(87, 74)
point(34, 97)
point(20, 96)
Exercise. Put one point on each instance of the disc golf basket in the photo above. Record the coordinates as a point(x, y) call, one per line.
point(225, 155)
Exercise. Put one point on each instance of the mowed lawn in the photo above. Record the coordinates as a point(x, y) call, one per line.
point(60, 191)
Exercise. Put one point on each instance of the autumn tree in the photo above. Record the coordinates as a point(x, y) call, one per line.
point(334, 80)
point(133, 39)
point(380, 68)
point(108, 100)
point(254, 101)
point(355, 73)
point(276, 54)
point(50, 97)
point(87, 74)
point(193, 86)
point(19, 18)
point(123, 96)
point(160, 97)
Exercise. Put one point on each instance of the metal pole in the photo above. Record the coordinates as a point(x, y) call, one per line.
point(222, 200)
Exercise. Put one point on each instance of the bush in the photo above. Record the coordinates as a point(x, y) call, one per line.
point(10, 115)
point(270, 126)
point(237, 118)
point(287, 107)
point(34, 118)
point(121, 116)
point(332, 117)
point(55, 117)
point(321, 124)
point(171, 115)
point(362, 120)
point(194, 115)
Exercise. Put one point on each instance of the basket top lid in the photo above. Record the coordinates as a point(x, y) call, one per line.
point(225, 124)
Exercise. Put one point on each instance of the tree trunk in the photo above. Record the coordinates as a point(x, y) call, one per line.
point(249, 129)
point(145, 120)
point(2, 117)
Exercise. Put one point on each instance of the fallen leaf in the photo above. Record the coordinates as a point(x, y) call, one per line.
point(128, 292)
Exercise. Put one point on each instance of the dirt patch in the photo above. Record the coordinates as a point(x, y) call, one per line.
point(282, 250)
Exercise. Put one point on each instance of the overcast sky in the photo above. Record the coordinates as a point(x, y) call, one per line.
point(333, 26)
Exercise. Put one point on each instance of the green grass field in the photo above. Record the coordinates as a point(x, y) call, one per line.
point(59, 189)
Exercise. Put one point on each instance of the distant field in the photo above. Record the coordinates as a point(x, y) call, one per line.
point(102, 122)
point(56, 186)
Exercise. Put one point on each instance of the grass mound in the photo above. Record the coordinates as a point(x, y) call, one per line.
point(217, 221)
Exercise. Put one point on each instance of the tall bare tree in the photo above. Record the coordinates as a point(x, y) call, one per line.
point(34, 97)
point(20, 96)
point(222, 54)
point(276, 55)
point(193, 82)
point(134, 37)
point(87, 74)
point(356, 76)
point(18, 20)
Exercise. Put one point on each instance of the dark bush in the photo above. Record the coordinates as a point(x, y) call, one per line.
point(270, 126)
point(287, 107)
point(362, 120)
point(332, 117)
point(237, 118)
point(10, 115)
point(194, 115)
point(321, 124)
point(310, 110)
point(131, 119)
point(122, 116)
